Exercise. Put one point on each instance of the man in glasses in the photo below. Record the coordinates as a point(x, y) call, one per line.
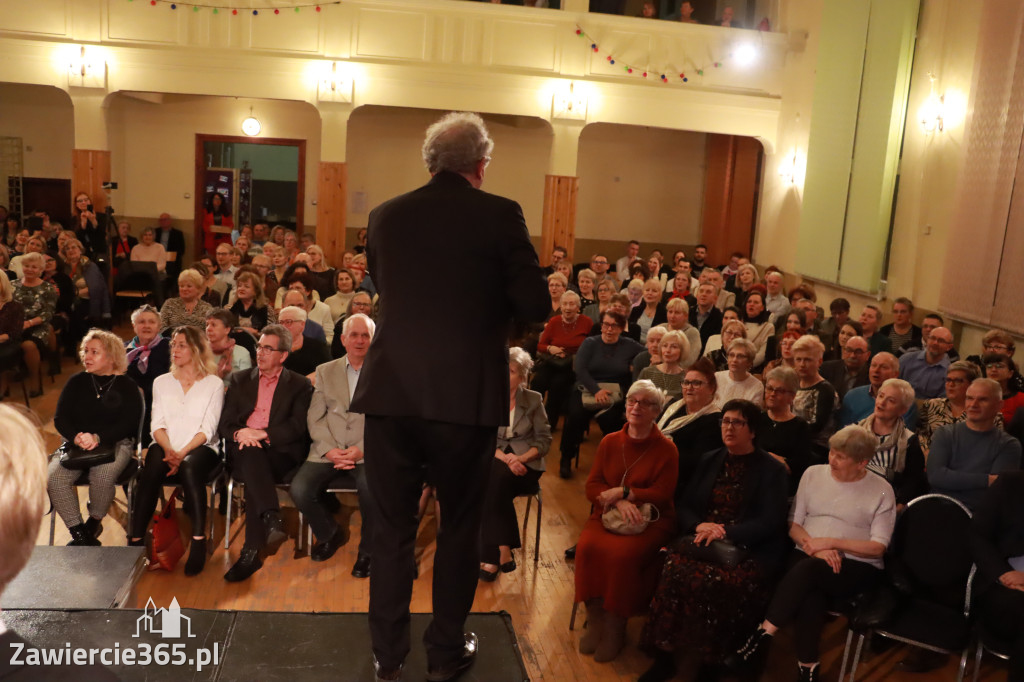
point(264, 425)
point(926, 369)
point(851, 370)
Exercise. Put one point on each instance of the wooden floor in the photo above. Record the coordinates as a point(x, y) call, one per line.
point(538, 596)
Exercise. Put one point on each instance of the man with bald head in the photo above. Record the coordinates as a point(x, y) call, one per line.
point(966, 457)
point(859, 402)
point(925, 369)
point(851, 370)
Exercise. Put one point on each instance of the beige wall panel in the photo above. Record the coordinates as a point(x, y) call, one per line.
point(289, 31)
point(42, 116)
point(44, 17)
point(528, 45)
point(640, 183)
point(392, 34)
point(139, 21)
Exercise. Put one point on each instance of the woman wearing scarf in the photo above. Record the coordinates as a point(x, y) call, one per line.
point(898, 456)
point(228, 355)
point(149, 356)
point(692, 422)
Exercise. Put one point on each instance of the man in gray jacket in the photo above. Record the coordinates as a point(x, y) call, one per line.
point(337, 448)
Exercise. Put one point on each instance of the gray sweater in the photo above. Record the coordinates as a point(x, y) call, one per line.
point(960, 460)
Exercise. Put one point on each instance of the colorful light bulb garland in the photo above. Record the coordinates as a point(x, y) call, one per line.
point(196, 7)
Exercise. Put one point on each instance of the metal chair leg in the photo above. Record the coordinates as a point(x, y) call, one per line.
point(856, 656)
point(572, 618)
point(963, 663)
point(526, 515)
point(53, 524)
point(536, 539)
point(977, 661)
point(227, 519)
point(846, 654)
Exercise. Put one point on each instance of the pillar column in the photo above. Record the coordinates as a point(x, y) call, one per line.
point(332, 181)
point(90, 159)
point(560, 187)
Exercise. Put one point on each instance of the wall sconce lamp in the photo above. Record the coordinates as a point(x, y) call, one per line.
point(788, 168)
point(251, 125)
point(569, 105)
point(86, 70)
point(932, 111)
point(335, 85)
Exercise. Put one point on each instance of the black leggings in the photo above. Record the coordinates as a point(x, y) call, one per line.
point(193, 475)
point(804, 593)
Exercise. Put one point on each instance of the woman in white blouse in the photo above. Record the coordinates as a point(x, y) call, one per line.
point(186, 409)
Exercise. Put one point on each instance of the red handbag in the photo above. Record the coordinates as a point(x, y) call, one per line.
point(167, 548)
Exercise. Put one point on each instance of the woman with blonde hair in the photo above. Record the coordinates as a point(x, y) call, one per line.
point(557, 285)
point(715, 349)
point(323, 275)
point(12, 319)
point(585, 282)
point(187, 308)
point(38, 300)
point(251, 306)
point(187, 403)
point(98, 410)
point(668, 374)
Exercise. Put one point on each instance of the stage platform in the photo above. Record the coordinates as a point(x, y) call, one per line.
point(77, 578)
point(256, 645)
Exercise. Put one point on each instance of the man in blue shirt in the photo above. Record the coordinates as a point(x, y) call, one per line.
point(925, 369)
point(859, 402)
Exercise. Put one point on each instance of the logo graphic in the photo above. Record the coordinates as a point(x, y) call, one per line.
point(170, 620)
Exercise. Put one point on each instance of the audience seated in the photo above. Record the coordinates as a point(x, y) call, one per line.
point(515, 470)
point(264, 425)
point(1001, 369)
point(187, 404)
point(337, 446)
point(736, 382)
point(775, 302)
point(851, 370)
point(785, 352)
point(619, 303)
point(677, 313)
point(732, 519)
point(898, 457)
point(228, 355)
point(12, 323)
point(869, 320)
point(345, 289)
point(556, 351)
point(950, 409)
point(306, 353)
point(38, 300)
point(859, 402)
point(586, 281)
point(616, 574)
point(755, 317)
point(816, 401)
point(926, 369)
point(998, 341)
point(667, 374)
point(902, 330)
point(652, 354)
point(651, 312)
point(931, 321)
point(781, 433)
point(251, 307)
point(187, 308)
point(692, 421)
point(843, 519)
point(998, 548)
point(148, 356)
point(323, 275)
point(316, 311)
point(966, 457)
point(714, 350)
point(602, 371)
point(847, 331)
point(839, 310)
point(705, 316)
point(35, 244)
point(98, 410)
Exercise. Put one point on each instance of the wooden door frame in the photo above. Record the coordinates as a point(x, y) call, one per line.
point(200, 166)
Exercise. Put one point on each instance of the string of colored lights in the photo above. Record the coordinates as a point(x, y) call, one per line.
point(216, 9)
point(642, 71)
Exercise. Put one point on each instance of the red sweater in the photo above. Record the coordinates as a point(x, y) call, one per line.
point(557, 333)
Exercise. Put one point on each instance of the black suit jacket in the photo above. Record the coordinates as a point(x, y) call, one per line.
point(834, 372)
point(762, 526)
point(712, 325)
point(998, 528)
point(175, 242)
point(287, 428)
point(44, 673)
point(448, 368)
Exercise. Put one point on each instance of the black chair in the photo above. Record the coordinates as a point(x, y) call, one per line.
point(14, 368)
point(929, 567)
point(986, 640)
point(238, 506)
point(343, 482)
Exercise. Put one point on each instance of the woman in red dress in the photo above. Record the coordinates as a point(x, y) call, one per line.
point(616, 574)
point(216, 214)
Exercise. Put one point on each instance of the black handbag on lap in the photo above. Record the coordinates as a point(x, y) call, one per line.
point(77, 459)
point(721, 552)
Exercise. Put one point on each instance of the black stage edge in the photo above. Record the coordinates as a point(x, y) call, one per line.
point(260, 645)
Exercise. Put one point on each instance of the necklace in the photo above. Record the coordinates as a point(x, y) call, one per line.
point(627, 468)
point(100, 388)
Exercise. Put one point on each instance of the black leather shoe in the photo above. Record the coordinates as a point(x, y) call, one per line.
point(248, 563)
point(488, 576)
point(94, 527)
point(275, 530)
point(322, 551)
point(82, 537)
point(382, 674)
point(458, 666)
point(361, 569)
point(571, 552)
point(508, 566)
point(565, 470)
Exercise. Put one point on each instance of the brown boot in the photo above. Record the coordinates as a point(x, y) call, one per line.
point(613, 638)
point(595, 626)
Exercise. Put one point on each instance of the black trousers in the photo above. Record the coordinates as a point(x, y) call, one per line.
point(499, 525)
point(556, 380)
point(456, 459)
point(1002, 611)
point(576, 419)
point(260, 469)
point(307, 490)
point(193, 475)
point(804, 593)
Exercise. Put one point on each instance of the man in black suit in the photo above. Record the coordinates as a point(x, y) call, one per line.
point(173, 240)
point(23, 486)
point(851, 370)
point(435, 390)
point(706, 316)
point(264, 424)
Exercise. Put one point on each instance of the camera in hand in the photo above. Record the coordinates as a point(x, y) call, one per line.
point(109, 185)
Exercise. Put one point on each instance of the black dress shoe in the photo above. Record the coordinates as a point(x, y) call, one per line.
point(322, 551)
point(248, 563)
point(571, 552)
point(361, 569)
point(94, 526)
point(565, 470)
point(275, 530)
point(488, 576)
point(458, 666)
point(383, 674)
point(508, 566)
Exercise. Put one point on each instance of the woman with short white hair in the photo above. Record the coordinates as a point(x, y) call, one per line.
point(586, 280)
point(515, 470)
point(667, 375)
point(557, 285)
point(898, 457)
point(38, 299)
point(677, 313)
point(736, 382)
point(817, 401)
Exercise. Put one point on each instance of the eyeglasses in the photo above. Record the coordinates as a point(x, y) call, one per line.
point(291, 322)
point(995, 365)
point(996, 346)
point(955, 381)
point(726, 422)
point(610, 325)
point(737, 356)
point(267, 349)
point(779, 389)
point(646, 404)
point(599, 262)
point(696, 383)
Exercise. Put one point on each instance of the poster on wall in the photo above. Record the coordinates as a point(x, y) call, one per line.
point(245, 195)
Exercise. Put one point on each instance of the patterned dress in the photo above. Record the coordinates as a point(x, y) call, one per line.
point(704, 607)
point(38, 301)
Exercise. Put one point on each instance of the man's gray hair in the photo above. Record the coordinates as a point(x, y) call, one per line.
point(903, 388)
point(457, 143)
point(371, 326)
point(521, 360)
point(855, 442)
point(294, 310)
point(284, 337)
